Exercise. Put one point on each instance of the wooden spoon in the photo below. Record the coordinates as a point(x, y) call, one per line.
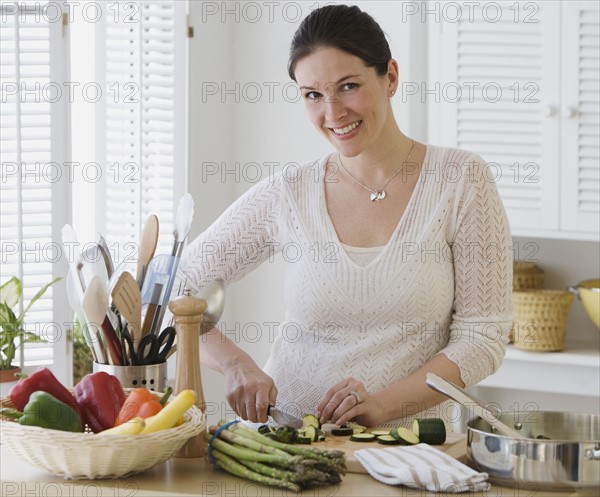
point(127, 298)
point(147, 248)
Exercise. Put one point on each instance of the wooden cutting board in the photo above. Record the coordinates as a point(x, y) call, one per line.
point(455, 446)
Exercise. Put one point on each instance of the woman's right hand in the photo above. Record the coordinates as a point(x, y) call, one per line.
point(249, 391)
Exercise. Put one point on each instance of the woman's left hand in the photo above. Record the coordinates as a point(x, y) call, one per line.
point(348, 400)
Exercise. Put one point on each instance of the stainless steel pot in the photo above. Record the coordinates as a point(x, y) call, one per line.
point(568, 459)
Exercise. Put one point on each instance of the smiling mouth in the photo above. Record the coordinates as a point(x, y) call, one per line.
point(346, 129)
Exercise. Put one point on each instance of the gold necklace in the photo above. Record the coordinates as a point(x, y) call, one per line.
point(377, 195)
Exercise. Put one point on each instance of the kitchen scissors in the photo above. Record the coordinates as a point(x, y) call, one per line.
point(152, 349)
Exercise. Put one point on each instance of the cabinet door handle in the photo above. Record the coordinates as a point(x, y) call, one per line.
point(569, 112)
point(549, 110)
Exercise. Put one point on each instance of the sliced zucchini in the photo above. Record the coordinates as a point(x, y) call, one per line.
point(262, 429)
point(357, 428)
point(342, 431)
point(303, 440)
point(430, 431)
point(387, 440)
point(404, 436)
point(311, 420)
point(312, 433)
point(321, 437)
point(379, 433)
point(363, 437)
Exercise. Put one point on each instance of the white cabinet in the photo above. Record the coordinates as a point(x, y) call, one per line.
point(518, 83)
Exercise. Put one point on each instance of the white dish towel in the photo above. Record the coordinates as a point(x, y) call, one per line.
point(421, 466)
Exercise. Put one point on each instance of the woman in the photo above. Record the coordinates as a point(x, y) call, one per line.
point(413, 267)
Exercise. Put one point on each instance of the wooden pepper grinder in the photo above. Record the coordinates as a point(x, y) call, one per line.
point(187, 313)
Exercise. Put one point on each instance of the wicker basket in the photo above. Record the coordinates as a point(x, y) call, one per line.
point(540, 319)
point(527, 276)
point(89, 456)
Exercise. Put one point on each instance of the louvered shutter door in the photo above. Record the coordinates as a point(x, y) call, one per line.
point(580, 173)
point(141, 126)
point(35, 196)
point(512, 122)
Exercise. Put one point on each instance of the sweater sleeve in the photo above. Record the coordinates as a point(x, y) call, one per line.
point(241, 239)
point(482, 254)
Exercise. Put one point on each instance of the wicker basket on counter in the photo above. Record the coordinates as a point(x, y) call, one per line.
point(526, 276)
point(93, 456)
point(540, 319)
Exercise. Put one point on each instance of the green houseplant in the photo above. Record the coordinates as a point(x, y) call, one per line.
point(12, 327)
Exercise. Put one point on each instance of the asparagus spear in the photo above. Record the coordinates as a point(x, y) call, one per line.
point(230, 465)
point(234, 438)
point(255, 454)
point(241, 453)
point(333, 458)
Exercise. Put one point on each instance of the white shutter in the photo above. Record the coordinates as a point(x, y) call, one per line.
point(580, 173)
point(35, 196)
point(504, 60)
point(142, 125)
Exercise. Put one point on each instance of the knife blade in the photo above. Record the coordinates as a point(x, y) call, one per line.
point(283, 418)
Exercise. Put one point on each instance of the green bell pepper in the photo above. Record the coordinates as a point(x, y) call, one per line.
point(46, 411)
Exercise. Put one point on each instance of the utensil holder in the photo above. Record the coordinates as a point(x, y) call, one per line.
point(540, 318)
point(150, 376)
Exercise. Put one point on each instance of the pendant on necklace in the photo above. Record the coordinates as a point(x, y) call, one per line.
point(377, 196)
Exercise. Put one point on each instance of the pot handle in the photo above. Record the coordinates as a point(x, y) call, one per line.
point(574, 290)
point(592, 454)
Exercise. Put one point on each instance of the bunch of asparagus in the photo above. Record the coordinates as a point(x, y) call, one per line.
point(248, 454)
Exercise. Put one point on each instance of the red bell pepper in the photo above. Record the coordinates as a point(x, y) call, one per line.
point(100, 397)
point(45, 381)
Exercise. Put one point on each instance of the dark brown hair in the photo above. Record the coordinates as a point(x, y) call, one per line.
point(343, 27)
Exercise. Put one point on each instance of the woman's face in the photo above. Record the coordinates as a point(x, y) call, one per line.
point(346, 100)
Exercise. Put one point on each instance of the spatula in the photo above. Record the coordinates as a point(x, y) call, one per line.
point(127, 298)
point(461, 396)
point(147, 248)
point(95, 306)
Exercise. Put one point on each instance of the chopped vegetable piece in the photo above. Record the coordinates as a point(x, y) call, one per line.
point(286, 434)
point(387, 440)
point(342, 431)
point(363, 437)
point(311, 432)
point(430, 430)
point(357, 428)
point(311, 420)
point(303, 440)
point(404, 436)
point(379, 433)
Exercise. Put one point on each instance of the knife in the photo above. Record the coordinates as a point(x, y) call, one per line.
point(283, 418)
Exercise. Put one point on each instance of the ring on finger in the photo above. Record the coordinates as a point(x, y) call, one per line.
point(356, 396)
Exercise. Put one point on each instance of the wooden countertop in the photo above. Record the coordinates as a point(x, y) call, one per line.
point(187, 477)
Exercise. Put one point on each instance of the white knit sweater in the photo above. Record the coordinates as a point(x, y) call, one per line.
point(442, 283)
